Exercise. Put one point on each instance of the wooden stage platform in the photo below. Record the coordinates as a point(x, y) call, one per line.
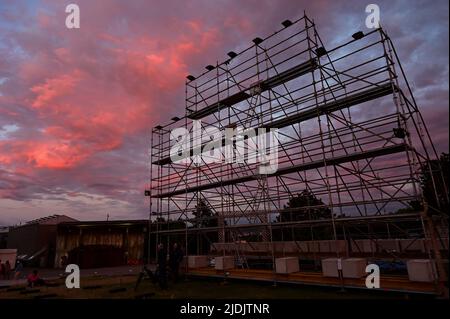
point(387, 282)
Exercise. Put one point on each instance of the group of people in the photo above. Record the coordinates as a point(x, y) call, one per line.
point(175, 258)
point(6, 270)
point(33, 278)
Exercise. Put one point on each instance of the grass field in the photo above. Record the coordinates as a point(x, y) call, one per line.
point(123, 287)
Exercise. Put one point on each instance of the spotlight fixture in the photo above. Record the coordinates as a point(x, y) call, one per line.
point(257, 40)
point(190, 77)
point(158, 127)
point(232, 54)
point(286, 23)
point(358, 35)
point(321, 51)
point(209, 67)
point(175, 118)
point(400, 132)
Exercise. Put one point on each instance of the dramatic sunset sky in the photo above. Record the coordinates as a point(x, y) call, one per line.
point(76, 106)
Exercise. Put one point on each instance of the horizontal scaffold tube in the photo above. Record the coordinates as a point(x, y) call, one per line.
point(326, 108)
point(292, 169)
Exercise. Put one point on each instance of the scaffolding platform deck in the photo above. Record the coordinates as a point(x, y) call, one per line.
point(387, 282)
point(292, 169)
point(265, 85)
point(302, 116)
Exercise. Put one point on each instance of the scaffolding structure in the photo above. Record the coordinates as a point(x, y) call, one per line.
point(350, 138)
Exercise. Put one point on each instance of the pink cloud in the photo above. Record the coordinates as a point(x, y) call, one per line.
point(84, 100)
point(53, 88)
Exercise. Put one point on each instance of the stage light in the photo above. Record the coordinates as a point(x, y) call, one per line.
point(286, 23)
point(358, 35)
point(321, 51)
point(232, 54)
point(257, 40)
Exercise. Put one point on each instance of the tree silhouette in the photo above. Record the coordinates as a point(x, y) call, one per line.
point(204, 216)
point(437, 201)
point(304, 206)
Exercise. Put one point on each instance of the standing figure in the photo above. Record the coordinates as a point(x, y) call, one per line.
point(162, 265)
point(64, 261)
point(175, 258)
point(18, 270)
point(7, 270)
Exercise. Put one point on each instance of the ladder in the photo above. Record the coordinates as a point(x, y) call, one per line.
point(239, 257)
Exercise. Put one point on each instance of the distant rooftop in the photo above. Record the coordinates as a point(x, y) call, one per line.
point(91, 223)
point(51, 220)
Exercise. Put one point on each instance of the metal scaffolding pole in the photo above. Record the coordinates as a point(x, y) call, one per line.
point(351, 151)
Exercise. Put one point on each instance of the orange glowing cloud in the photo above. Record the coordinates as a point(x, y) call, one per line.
point(53, 88)
point(84, 100)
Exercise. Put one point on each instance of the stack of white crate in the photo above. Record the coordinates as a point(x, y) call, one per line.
point(330, 267)
point(420, 270)
point(287, 265)
point(354, 267)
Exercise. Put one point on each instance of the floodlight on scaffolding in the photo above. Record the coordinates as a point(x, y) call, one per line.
point(232, 54)
point(209, 67)
point(358, 35)
point(257, 40)
point(321, 51)
point(190, 77)
point(286, 23)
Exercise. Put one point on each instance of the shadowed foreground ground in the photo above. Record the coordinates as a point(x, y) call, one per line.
point(123, 287)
